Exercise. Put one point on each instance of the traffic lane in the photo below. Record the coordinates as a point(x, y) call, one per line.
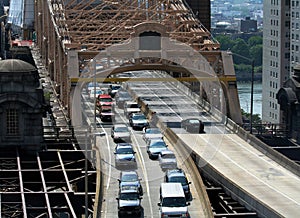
point(152, 175)
point(111, 186)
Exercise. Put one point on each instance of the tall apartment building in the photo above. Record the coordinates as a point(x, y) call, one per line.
point(295, 33)
point(276, 55)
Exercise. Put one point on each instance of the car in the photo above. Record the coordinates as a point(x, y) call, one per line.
point(120, 133)
point(129, 201)
point(104, 100)
point(105, 87)
point(91, 86)
point(155, 146)
point(172, 201)
point(131, 107)
point(94, 93)
point(124, 155)
point(138, 121)
point(113, 89)
point(130, 178)
point(106, 113)
point(121, 97)
point(151, 133)
point(178, 175)
point(167, 160)
point(193, 125)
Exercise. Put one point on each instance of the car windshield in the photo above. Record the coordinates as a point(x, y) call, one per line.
point(106, 110)
point(129, 196)
point(152, 131)
point(158, 145)
point(174, 202)
point(115, 87)
point(178, 179)
point(194, 121)
point(105, 99)
point(133, 106)
point(168, 156)
point(121, 129)
point(139, 117)
point(129, 178)
point(98, 91)
point(124, 151)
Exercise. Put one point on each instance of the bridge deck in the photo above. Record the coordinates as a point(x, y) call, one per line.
point(250, 170)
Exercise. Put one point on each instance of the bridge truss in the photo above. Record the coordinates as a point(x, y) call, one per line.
point(96, 24)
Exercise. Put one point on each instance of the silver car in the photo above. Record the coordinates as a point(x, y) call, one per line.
point(155, 147)
point(125, 156)
point(167, 160)
point(120, 133)
point(151, 133)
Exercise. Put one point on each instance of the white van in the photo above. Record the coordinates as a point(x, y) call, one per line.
point(172, 201)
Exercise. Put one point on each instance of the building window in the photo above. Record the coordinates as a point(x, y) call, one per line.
point(12, 122)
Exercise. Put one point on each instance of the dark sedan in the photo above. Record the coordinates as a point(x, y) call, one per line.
point(193, 125)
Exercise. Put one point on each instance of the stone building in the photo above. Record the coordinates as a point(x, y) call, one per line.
point(288, 98)
point(21, 105)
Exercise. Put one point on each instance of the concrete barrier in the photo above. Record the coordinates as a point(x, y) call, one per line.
point(183, 150)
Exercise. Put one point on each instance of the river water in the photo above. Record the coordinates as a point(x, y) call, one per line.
point(244, 92)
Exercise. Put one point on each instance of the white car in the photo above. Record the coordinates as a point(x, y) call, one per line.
point(167, 160)
point(151, 133)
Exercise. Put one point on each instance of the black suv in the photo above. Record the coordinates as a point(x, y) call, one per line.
point(178, 176)
point(129, 201)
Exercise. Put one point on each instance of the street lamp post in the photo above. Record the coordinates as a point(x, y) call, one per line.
point(252, 86)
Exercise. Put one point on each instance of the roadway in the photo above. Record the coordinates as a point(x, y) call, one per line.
point(258, 181)
point(149, 171)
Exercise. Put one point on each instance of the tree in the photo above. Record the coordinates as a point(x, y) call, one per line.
point(256, 53)
point(255, 40)
point(241, 48)
point(225, 42)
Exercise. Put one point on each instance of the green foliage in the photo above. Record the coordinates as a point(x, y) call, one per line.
point(243, 68)
point(255, 117)
point(256, 52)
point(225, 42)
point(255, 40)
point(251, 49)
point(241, 48)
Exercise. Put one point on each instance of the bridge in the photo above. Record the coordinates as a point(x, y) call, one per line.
point(98, 40)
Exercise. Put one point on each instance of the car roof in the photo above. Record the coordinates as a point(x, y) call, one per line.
point(124, 144)
point(120, 125)
point(104, 96)
point(167, 152)
point(131, 102)
point(129, 189)
point(128, 172)
point(175, 172)
point(137, 114)
point(153, 140)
